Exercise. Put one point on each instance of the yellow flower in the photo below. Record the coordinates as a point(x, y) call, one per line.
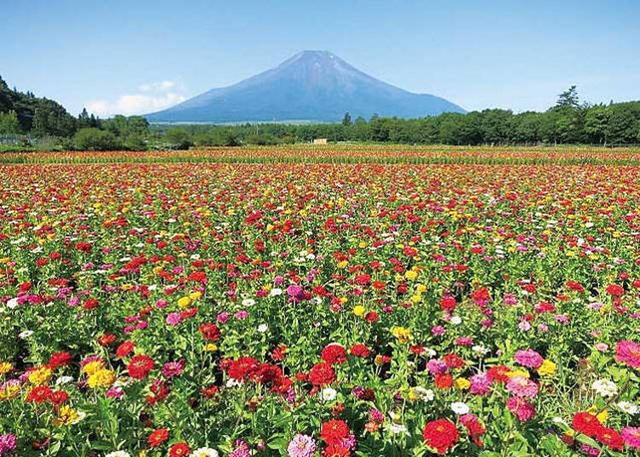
point(601, 415)
point(195, 295)
point(359, 310)
point(416, 298)
point(184, 302)
point(518, 372)
point(548, 368)
point(342, 264)
point(5, 367)
point(40, 376)
point(420, 288)
point(92, 367)
point(68, 416)
point(9, 391)
point(411, 275)
point(101, 378)
point(462, 383)
point(210, 347)
point(402, 334)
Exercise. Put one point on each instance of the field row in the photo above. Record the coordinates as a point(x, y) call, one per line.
point(347, 153)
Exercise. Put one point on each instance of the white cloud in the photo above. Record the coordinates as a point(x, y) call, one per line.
point(149, 98)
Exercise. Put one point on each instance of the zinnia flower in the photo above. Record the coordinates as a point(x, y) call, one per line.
point(631, 437)
point(441, 435)
point(301, 446)
point(628, 352)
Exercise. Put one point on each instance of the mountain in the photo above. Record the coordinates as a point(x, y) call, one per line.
point(310, 86)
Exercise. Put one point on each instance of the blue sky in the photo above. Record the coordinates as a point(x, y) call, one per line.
point(136, 56)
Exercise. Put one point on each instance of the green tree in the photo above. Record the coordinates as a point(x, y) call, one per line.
point(95, 139)
point(9, 123)
point(346, 120)
point(178, 138)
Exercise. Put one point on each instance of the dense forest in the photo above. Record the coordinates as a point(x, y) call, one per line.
point(45, 123)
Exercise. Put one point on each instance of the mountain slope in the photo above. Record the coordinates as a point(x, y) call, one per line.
point(312, 86)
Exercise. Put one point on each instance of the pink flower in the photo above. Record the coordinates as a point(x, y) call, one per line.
point(631, 437)
point(522, 387)
point(521, 408)
point(529, 358)
point(173, 319)
point(173, 369)
point(301, 446)
point(628, 352)
point(480, 384)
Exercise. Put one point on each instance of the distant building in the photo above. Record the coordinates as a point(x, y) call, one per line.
point(320, 141)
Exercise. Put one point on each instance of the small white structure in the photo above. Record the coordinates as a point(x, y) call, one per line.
point(320, 141)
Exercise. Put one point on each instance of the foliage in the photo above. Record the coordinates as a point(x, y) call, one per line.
point(95, 139)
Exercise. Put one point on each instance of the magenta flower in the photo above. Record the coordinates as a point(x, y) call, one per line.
point(480, 384)
point(521, 408)
point(628, 352)
point(529, 358)
point(173, 369)
point(631, 437)
point(8, 443)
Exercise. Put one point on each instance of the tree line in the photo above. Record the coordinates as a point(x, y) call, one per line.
point(569, 121)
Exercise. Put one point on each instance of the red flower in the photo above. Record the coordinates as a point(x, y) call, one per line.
point(474, 428)
point(498, 373)
point(441, 435)
point(140, 366)
point(336, 451)
point(453, 361)
point(125, 349)
point(58, 397)
point(443, 380)
point(91, 303)
point(59, 359)
point(334, 353)
point(615, 290)
point(179, 450)
point(333, 432)
point(610, 438)
point(242, 368)
point(210, 331)
point(107, 339)
point(587, 424)
point(322, 374)
point(157, 437)
point(448, 303)
point(39, 394)
point(360, 350)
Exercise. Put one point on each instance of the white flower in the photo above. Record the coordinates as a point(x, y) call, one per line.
point(396, 428)
point(275, 292)
point(628, 407)
point(13, 303)
point(25, 334)
point(263, 328)
point(456, 320)
point(479, 350)
point(328, 394)
point(248, 302)
point(233, 383)
point(63, 380)
point(204, 452)
point(459, 408)
point(118, 454)
point(604, 387)
point(423, 394)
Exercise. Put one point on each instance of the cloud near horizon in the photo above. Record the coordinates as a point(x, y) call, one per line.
point(148, 98)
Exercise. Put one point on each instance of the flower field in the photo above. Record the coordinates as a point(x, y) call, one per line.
point(319, 309)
